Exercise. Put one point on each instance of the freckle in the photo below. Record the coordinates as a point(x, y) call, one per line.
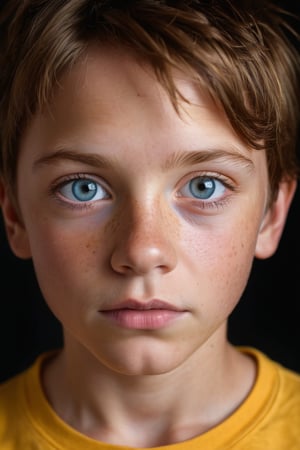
point(112, 226)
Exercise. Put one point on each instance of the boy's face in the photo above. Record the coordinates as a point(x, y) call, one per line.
point(142, 225)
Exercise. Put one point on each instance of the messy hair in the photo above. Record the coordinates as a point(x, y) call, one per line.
point(243, 52)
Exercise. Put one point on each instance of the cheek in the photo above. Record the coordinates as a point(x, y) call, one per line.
point(63, 257)
point(221, 261)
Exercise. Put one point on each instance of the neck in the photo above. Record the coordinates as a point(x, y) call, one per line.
point(168, 407)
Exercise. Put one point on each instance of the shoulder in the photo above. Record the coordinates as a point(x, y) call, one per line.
point(287, 379)
point(12, 417)
point(15, 412)
point(282, 404)
point(285, 382)
point(289, 392)
point(10, 393)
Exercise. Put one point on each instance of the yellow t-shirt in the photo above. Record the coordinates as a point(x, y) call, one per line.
point(269, 419)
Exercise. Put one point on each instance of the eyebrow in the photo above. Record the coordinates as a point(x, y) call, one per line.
point(90, 159)
point(182, 159)
point(179, 159)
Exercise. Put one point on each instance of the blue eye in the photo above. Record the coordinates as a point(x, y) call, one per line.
point(83, 190)
point(204, 188)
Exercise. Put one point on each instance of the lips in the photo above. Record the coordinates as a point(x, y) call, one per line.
point(150, 315)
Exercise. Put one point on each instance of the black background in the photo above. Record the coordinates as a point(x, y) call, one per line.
point(267, 317)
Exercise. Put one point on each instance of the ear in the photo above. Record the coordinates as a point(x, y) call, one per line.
point(14, 227)
point(274, 220)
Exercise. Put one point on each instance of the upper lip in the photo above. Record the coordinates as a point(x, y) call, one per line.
point(142, 306)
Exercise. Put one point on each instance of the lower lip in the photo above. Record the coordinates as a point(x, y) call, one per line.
point(151, 319)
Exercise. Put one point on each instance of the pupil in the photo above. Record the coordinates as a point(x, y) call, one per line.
point(203, 185)
point(88, 187)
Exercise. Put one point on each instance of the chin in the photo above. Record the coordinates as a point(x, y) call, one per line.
point(143, 361)
point(143, 369)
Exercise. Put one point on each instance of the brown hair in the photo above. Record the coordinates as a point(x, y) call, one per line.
point(243, 53)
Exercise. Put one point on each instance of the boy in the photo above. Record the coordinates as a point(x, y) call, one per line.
point(116, 118)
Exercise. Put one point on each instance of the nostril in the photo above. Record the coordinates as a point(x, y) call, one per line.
point(143, 259)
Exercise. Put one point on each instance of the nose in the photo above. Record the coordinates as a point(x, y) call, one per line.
point(144, 242)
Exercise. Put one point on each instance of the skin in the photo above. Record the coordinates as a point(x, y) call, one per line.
point(144, 236)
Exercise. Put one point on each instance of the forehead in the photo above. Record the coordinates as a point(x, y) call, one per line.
point(111, 102)
point(109, 81)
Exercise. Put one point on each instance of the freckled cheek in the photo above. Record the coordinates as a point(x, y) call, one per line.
point(66, 253)
point(234, 268)
point(222, 259)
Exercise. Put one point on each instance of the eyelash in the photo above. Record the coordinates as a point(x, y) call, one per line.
point(56, 187)
point(198, 202)
point(216, 178)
